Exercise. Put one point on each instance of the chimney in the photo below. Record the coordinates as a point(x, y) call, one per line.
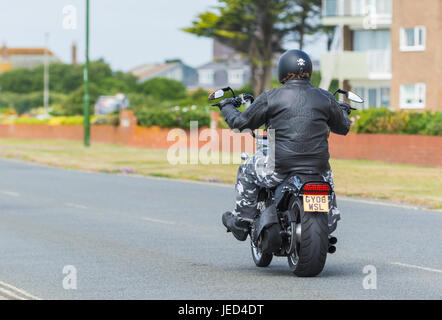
point(4, 51)
point(74, 53)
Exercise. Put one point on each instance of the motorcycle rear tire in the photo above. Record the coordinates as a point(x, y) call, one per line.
point(312, 249)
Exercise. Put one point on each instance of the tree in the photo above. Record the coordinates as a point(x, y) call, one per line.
point(66, 78)
point(307, 13)
point(257, 29)
point(73, 103)
point(163, 89)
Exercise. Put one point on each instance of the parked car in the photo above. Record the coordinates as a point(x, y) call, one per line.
point(111, 104)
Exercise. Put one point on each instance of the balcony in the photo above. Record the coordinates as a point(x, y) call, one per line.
point(357, 65)
point(369, 14)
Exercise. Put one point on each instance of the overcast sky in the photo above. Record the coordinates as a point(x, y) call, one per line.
point(126, 33)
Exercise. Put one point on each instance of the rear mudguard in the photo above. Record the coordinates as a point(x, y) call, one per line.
point(270, 216)
point(265, 219)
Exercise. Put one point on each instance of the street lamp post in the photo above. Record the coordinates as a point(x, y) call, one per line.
point(46, 76)
point(86, 116)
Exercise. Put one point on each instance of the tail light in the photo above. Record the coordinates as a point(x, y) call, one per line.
point(316, 189)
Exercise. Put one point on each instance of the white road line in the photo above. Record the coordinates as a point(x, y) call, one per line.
point(416, 267)
point(17, 290)
point(380, 203)
point(10, 193)
point(10, 294)
point(158, 221)
point(75, 205)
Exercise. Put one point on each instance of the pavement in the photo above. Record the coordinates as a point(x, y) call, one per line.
point(68, 234)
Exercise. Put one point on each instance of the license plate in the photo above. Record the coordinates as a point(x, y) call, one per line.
point(315, 203)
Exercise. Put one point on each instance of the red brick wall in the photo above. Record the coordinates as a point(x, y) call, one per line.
point(420, 150)
point(413, 149)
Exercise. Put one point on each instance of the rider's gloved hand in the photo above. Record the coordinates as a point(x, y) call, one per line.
point(235, 101)
point(248, 97)
point(345, 106)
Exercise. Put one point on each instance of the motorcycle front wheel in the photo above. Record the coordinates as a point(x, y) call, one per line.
point(311, 245)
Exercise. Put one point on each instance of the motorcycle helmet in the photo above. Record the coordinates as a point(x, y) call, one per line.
point(294, 64)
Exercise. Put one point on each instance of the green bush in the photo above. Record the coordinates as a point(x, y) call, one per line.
point(109, 119)
point(73, 103)
point(164, 89)
point(169, 118)
point(23, 103)
point(27, 120)
point(384, 120)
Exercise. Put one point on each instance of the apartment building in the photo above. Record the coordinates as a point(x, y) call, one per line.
point(387, 51)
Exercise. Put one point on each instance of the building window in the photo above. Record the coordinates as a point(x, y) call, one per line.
point(331, 8)
point(374, 97)
point(360, 92)
point(375, 7)
point(383, 7)
point(412, 95)
point(205, 76)
point(236, 76)
point(385, 97)
point(365, 40)
point(412, 39)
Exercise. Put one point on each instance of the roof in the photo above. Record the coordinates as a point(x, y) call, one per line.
point(11, 58)
point(27, 51)
point(224, 64)
point(148, 70)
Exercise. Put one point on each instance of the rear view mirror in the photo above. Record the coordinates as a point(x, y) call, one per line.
point(216, 94)
point(354, 97)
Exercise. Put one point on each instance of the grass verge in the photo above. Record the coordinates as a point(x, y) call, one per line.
point(397, 182)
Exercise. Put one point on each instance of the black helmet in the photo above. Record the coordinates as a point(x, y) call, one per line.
point(294, 64)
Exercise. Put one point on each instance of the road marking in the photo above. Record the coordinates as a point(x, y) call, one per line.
point(10, 193)
point(10, 294)
point(380, 203)
point(158, 221)
point(13, 291)
point(416, 267)
point(75, 205)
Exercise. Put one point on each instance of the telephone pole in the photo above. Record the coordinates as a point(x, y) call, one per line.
point(86, 122)
point(46, 76)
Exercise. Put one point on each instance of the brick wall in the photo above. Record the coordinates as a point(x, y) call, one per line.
point(419, 150)
point(412, 149)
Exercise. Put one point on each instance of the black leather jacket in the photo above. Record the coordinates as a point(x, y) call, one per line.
point(302, 116)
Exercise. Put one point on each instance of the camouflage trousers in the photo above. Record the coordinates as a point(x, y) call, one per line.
point(253, 175)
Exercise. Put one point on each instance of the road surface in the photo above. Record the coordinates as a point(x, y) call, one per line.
point(76, 235)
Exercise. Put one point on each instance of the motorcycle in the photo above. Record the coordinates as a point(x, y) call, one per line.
point(293, 216)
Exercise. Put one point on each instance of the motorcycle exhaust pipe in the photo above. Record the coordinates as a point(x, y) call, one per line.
point(332, 240)
point(331, 249)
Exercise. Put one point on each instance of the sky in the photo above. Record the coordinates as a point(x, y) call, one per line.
point(125, 33)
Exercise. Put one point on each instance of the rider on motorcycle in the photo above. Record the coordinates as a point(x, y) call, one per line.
point(302, 117)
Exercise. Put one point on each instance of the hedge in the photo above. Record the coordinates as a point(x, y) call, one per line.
point(173, 117)
point(384, 120)
point(380, 120)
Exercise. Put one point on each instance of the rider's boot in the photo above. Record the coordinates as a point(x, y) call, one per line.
point(239, 228)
